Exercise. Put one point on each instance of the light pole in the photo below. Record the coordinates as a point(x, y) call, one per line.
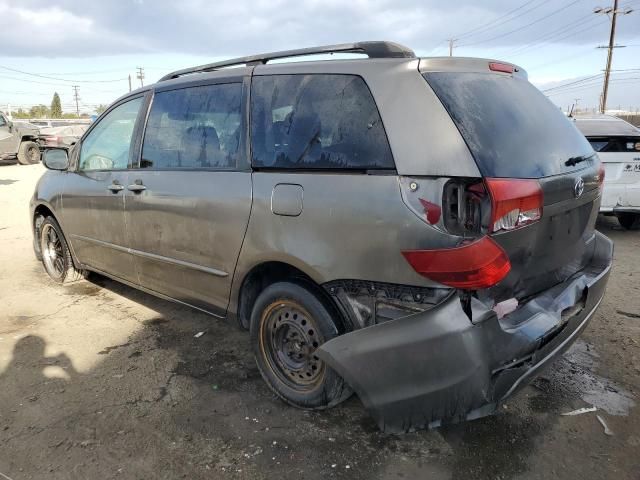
point(614, 14)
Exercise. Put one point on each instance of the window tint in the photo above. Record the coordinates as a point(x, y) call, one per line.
point(316, 121)
point(615, 144)
point(511, 128)
point(2, 121)
point(107, 145)
point(197, 127)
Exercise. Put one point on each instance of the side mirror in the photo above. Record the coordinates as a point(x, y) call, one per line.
point(56, 158)
point(10, 125)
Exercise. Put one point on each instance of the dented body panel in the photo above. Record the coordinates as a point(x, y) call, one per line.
point(441, 367)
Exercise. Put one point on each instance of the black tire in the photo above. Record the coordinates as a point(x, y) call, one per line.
point(28, 153)
point(288, 323)
point(56, 256)
point(627, 219)
point(37, 227)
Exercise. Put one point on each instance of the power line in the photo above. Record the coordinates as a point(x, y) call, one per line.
point(492, 24)
point(555, 12)
point(559, 34)
point(572, 83)
point(59, 79)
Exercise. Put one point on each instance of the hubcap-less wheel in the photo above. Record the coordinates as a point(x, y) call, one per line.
point(33, 154)
point(289, 338)
point(52, 252)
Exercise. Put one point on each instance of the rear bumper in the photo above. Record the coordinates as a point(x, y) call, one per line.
point(620, 198)
point(439, 367)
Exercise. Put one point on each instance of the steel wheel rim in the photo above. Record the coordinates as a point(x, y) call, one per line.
point(289, 339)
point(32, 154)
point(52, 252)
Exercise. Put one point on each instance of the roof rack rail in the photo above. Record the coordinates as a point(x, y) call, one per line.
point(371, 49)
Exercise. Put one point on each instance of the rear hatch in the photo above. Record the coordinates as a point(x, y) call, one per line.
point(524, 147)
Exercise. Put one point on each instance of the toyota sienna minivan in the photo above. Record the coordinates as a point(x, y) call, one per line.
point(419, 231)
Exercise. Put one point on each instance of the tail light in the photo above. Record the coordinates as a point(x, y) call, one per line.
point(514, 203)
point(479, 264)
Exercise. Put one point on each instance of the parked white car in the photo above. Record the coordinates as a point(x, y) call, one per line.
point(618, 145)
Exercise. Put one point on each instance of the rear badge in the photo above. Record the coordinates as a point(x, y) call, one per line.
point(578, 188)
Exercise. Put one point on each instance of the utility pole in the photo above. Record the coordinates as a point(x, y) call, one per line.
point(140, 75)
point(575, 104)
point(612, 35)
point(129, 82)
point(76, 97)
point(451, 42)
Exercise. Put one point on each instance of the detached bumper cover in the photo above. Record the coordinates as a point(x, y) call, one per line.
point(439, 367)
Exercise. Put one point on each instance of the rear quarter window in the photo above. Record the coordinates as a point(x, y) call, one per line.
point(510, 127)
point(316, 122)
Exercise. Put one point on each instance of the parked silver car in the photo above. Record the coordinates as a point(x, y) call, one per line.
point(417, 230)
point(618, 145)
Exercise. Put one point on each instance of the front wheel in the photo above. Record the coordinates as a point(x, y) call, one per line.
point(56, 256)
point(627, 219)
point(288, 324)
point(28, 153)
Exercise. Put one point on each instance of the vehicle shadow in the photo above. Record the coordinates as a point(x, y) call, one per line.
point(166, 404)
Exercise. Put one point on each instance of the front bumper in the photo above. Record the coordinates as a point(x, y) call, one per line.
point(439, 367)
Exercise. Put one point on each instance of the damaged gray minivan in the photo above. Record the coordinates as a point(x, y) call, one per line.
point(417, 230)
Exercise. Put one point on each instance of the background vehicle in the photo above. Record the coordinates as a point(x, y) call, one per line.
point(18, 142)
point(400, 245)
point(63, 136)
point(618, 145)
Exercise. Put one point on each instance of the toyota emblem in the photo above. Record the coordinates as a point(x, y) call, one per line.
point(578, 188)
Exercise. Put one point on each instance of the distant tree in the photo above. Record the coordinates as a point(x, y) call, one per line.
point(39, 111)
point(100, 108)
point(56, 107)
point(20, 114)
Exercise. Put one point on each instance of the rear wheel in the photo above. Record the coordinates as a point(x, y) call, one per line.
point(28, 153)
point(288, 324)
point(627, 219)
point(56, 256)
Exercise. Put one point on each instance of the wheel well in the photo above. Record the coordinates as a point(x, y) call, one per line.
point(268, 273)
point(42, 211)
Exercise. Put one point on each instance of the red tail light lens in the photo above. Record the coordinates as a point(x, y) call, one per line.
point(501, 67)
point(480, 264)
point(514, 202)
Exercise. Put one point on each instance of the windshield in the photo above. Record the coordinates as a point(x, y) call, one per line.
point(511, 128)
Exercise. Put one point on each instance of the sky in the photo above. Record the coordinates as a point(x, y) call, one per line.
point(51, 45)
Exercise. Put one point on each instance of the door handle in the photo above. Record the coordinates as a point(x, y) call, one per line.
point(115, 187)
point(137, 187)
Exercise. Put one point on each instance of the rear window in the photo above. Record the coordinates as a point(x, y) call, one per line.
point(511, 128)
point(316, 122)
point(615, 144)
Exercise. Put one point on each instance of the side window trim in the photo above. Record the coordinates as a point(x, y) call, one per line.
point(243, 161)
point(78, 145)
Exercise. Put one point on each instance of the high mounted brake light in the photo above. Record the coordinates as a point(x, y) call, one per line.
point(515, 202)
point(501, 67)
point(476, 265)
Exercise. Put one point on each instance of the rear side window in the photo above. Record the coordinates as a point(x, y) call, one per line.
point(196, 127)
point(615, 144)
point(510, 127)
point(316, 122)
